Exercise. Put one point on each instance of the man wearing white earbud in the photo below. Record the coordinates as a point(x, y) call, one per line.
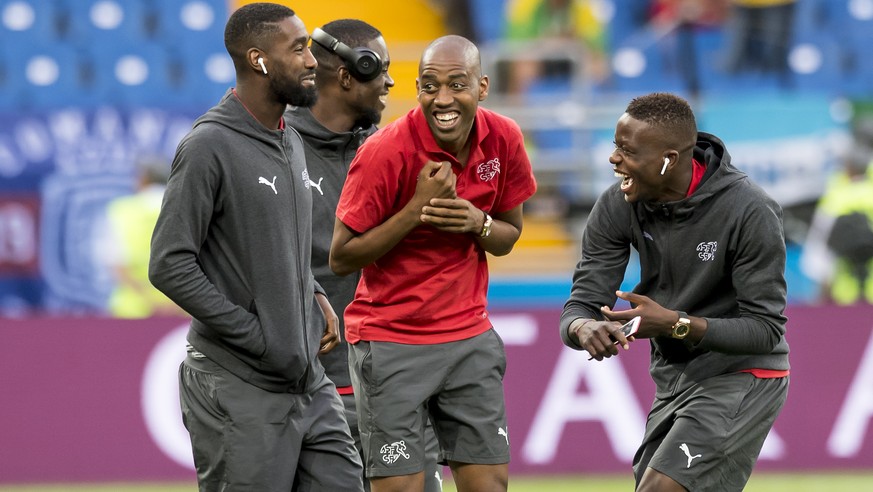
point(232, 248)
point(711, 297)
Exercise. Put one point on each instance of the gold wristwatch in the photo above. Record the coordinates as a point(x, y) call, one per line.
point(682, 327)
point(486, 226)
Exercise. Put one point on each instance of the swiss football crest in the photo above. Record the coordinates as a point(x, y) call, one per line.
point(706, 251)
point(393, 452)
point(488, 170)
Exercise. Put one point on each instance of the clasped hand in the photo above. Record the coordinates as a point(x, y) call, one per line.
point(441, 206)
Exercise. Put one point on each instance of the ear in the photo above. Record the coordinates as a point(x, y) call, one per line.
point(344, 77)
point(483, 87)
point(252, 56)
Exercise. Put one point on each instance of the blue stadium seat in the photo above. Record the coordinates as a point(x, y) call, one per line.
point(48, 75)
point(488, 19)
point(107, 21)
point(709, 48)
point(200, 22)
point(644, 62)
point(628, 17)
point(814, 15)
point(858, 71)
point(134, 75)
point(206, 73)
point(815, 61)
point(7, 88)
point(24, 21)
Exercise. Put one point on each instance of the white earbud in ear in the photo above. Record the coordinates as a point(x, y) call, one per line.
point(264, 67)
point(664, 168)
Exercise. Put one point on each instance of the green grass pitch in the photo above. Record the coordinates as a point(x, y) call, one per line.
point(760, 482)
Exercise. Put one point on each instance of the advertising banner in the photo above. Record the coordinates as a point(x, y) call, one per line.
point(96, 399)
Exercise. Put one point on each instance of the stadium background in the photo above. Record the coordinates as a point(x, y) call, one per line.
point(91, 87)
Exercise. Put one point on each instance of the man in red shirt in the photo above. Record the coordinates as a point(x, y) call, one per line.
point(426, 197)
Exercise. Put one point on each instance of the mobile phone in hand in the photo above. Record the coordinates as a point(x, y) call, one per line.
point(629, 329)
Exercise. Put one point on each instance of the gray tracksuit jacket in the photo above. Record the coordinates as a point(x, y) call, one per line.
point(328, 156)
point(718, 254)
point(232, 248)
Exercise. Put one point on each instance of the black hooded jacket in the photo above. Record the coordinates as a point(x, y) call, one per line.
point(328, 155)
point(718, 254)
point(232, 248)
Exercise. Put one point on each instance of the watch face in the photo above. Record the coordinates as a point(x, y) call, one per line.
point(681, 328)
point(486, 227)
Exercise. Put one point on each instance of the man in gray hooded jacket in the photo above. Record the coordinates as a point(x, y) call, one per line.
point(232, 248)
point(349, 106)
point(711, 296)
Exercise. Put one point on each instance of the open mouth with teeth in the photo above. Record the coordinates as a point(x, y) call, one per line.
point(447, 120)
point(626, 181)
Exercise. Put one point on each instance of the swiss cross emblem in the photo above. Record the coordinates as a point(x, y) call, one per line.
point(706, 251)
point(487, 170)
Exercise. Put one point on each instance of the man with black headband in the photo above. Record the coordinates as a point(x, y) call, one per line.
point(353, 84)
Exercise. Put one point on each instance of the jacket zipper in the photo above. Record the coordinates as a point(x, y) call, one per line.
point(301, 280)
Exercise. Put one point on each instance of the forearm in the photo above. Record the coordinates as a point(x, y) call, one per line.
point(502, 238)
point(350, 252)
point(744, 335)
point(181, 279)
point(569, 327)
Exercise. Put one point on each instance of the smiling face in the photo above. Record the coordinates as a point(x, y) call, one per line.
point(290, 64)
point(450, 87)
point(370, 98)
point(637, 160)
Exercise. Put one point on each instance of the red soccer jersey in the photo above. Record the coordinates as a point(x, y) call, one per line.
point(432, 286)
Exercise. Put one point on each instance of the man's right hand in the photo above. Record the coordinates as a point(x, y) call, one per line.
point(436, 180)
point(599, 338)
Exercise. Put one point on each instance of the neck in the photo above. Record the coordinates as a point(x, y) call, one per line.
point(268, 112)
point(333, 115)
point(677, 188)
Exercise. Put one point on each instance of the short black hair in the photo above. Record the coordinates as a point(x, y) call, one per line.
point(253, 25)
point(667, 112)
point(353, 33)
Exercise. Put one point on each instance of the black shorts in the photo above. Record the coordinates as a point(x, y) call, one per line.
point(433, 471)
point(459, 385)
point(245, 438)
point(709, 436)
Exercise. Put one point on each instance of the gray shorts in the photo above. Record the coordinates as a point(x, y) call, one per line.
point(458, 384)
point(247, 439)
point(433, 471)
point(709, 437)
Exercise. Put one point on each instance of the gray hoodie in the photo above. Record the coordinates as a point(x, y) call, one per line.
point(328, 156)
point(718, 254)
point(232, 248)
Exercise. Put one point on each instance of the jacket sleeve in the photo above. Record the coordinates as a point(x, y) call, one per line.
point(758, 273)
point(606, 244)
point(180, 232)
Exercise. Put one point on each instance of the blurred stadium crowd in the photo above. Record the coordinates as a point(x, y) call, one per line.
point(96, 92)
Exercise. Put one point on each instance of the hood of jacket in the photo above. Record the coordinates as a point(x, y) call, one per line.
point(228, 114)
point(720, 174)
point(323, 141)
